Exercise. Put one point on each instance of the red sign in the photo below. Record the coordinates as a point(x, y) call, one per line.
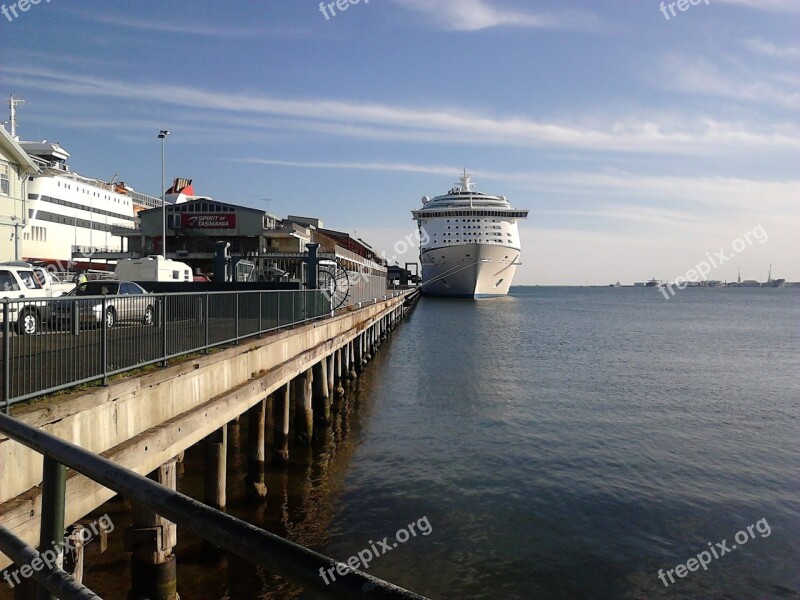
point(207, 221)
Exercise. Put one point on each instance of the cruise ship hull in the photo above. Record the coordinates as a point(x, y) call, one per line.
point(469, 270)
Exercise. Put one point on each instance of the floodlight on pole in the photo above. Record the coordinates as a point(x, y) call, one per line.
point(162, 135)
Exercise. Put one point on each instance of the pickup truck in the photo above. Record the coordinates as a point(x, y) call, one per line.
point(48, 280)
point(22, 282)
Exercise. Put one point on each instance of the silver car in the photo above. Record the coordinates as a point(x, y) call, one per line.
point(127, 303)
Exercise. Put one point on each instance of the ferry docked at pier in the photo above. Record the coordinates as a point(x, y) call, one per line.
point(67, 211)
point(71, 214)
point(469, 243)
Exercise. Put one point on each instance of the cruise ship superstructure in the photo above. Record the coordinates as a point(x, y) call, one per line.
point(469, 243)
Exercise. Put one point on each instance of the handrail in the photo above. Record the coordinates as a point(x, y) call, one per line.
point(291, 561)
point(54, 580)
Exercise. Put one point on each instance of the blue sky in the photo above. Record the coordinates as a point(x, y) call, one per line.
point(639, 143)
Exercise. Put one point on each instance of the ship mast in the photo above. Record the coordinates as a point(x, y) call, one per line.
point(13, 101)
point(466, 182)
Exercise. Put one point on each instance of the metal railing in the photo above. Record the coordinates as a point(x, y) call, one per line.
point(365, 288)
point(50, 344)
point(274, 554)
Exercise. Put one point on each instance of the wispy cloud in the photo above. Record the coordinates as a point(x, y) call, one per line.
point(184, 27)
point(716, 192)
point(770, 5)
point(409, 123)
point(770, 49)
point(701, 76)
point(474, 15)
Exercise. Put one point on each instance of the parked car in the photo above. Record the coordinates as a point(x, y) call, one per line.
point(127, 302)
point(25, 316)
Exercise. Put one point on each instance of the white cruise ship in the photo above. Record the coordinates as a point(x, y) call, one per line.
point(469, 243)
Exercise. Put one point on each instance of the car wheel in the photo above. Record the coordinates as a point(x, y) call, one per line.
point(111, 318)
point(28, 323)
point(149, 317)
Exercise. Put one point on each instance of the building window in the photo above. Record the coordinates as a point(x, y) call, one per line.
point(5, 184)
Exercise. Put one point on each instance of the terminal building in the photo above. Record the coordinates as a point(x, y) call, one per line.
point(276, 247)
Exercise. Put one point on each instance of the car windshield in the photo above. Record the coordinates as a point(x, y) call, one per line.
point(97, 288)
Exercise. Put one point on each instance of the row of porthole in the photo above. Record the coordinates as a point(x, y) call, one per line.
point(457, 232)
point(473, 221)
point(476, 241)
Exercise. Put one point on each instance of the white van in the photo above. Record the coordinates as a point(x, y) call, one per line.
point(152, 268)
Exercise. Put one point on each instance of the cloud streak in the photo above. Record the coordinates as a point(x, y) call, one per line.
point(700, 76)
point(407, 123)
point(768, 5)
point(476, 15)
point(770, 49)
point(184, 28)
point(715, 192)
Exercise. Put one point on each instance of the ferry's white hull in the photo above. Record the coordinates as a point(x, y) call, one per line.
point(66, 212)
point(469, 270)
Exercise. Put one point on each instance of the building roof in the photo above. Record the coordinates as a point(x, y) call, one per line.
point(348, 243)
point(15, 151)
point(181, 206)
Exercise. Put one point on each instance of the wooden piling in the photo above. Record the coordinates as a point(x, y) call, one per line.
point(304, 411)
point(283, 405)
point(351, 359)
point(359, 347)
point(331, 372)
point(366, 341)
point(74, 552)
point(339, 365)
point(215, 468)
point(255, 486)
point(151, 539)
point(322, 391)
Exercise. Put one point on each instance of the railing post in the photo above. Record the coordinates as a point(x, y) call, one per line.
point(51, 533)
point(6, 357)
point(75, 320)
point(260, 303)
point(104, 340)
point(208, 313)
point(164, 329)
point(236, 317)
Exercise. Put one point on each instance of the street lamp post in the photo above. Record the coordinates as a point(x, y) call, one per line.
point(162, 135)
